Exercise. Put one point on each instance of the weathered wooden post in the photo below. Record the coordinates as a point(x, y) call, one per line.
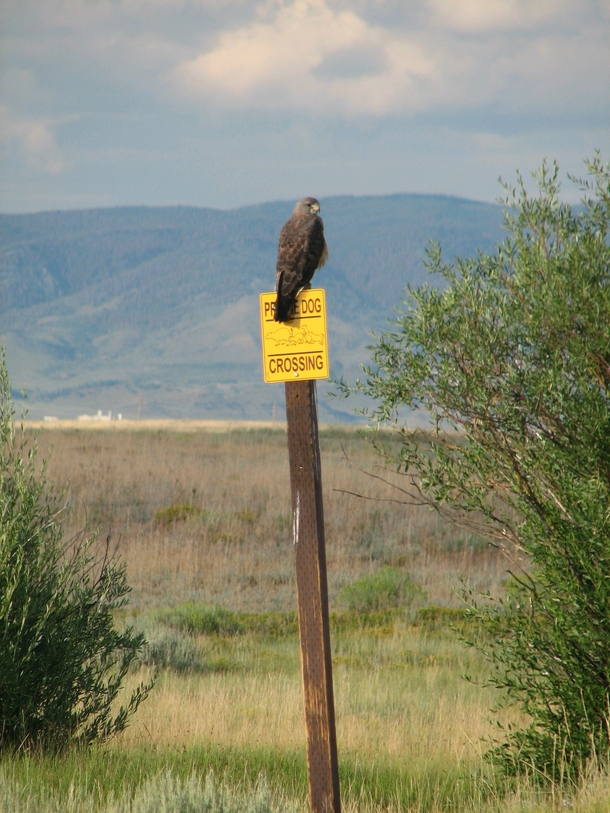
point(312, 591)
point(299, 368)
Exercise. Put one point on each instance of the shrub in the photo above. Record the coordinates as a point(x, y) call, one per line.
point(270, 625)
point(387, 588)
point(171, 794)
point(170, 649)
point(177, 513)
point(433, 618)
point(513, 354)
point(62, 662)
point(201, 618)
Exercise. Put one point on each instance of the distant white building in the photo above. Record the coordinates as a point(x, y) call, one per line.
point(99, 417)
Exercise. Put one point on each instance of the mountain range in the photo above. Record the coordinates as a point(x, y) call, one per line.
point(154, 311)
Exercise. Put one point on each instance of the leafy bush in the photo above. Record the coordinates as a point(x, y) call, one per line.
point(514, 354)
point(62, 662)
point(387, 588)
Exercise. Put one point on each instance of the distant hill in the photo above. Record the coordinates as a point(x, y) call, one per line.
point(156, 309)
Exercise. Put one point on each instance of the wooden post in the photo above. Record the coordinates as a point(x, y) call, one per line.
point(312, 591)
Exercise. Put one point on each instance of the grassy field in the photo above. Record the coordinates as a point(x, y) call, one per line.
point(206, 516)
point(201, 518)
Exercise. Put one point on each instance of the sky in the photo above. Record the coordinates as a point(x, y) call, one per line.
point(225, 103)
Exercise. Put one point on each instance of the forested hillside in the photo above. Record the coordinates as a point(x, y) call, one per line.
point(157, 308)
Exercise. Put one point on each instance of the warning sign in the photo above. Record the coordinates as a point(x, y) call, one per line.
point(297, 349)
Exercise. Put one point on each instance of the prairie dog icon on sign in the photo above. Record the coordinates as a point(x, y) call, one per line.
point(296, 350)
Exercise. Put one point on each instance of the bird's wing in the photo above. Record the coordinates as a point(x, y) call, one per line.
point(301, 250)
point(290, 257)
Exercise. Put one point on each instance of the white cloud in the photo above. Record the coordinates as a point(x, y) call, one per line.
point(478, 16)
point(307, 55)
point(36, 140)
point(229, 86)
point(310, 56)
point(328, 58)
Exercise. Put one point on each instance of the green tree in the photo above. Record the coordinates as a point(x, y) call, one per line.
point(62, 661)
point(511, 358)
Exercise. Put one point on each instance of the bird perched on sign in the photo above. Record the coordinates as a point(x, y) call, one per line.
point(301, 251)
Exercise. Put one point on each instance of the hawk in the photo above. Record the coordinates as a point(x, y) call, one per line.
point(301, 251)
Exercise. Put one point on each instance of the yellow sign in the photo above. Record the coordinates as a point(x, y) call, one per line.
point(297, 349)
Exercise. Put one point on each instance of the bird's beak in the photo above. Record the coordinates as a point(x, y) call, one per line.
point(316, 207)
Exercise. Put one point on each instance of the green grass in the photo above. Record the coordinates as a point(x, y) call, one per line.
point(105, 773)
point(203, 619)
point(95, 783)
point(398, 657)
point(201, 638)
point(106, 779)
point(378, 643)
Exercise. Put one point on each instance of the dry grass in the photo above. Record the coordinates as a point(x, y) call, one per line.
point(403, 710)
point(398, 697)
point(235, 548)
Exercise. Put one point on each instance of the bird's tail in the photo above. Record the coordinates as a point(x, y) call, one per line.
point(283, 308)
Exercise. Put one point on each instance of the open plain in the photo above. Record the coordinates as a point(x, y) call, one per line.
point(200, 515)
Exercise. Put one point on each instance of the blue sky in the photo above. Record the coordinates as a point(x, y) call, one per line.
point(224, 103)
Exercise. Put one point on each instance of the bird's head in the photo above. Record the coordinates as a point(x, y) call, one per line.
point(307, 206)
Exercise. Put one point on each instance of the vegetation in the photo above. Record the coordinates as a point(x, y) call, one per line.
point(160, 792)
point(62, 661)
point(386, 588)
point(513, 353)
point(240, 713)
point(408, 724)
point(235, 550)
point(204, 524)
point(177, 513)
